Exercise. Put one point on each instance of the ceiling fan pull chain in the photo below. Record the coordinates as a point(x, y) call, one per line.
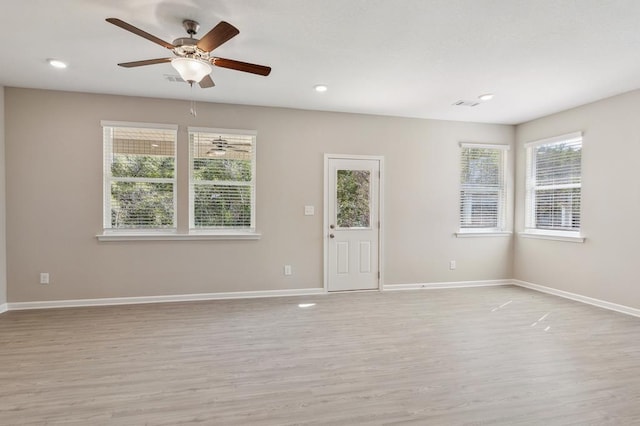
point(193, 111)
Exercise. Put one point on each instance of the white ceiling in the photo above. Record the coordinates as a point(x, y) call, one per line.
point(410, 58)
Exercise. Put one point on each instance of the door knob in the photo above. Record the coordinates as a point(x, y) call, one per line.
point(331, 236)
point(332, 226)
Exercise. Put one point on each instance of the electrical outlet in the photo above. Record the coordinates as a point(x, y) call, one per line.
point(287, 269)
point(44, 278)
point(452, 264)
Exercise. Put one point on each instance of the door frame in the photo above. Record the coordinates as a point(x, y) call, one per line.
point(326, 214)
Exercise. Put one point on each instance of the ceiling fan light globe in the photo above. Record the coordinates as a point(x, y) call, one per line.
point(191, 70)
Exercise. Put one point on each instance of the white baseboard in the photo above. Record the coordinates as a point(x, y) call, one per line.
point(18, 306)
point(579, 298)
point(455, 284)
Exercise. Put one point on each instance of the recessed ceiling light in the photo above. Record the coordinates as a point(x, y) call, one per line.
point(306, 305)
point(56, 63)
point(486, 97)
point(320, 87)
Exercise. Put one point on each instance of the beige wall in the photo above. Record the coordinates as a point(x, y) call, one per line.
point(606, 265)
point(54, 204)
point(3, 243)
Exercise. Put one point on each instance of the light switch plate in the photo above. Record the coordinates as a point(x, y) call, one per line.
point(309, 210)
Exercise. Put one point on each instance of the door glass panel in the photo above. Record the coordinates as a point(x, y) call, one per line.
point(353, 199)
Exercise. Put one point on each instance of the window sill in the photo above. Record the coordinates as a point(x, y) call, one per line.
point(553, 236)
point(194, 236)
point(476, 234)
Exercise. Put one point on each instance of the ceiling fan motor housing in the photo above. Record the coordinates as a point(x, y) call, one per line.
point(186, 46)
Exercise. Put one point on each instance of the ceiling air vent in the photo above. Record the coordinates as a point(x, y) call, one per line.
point(173, 78)
point(466, 103)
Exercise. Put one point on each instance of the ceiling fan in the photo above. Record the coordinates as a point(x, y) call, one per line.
point(221, 146)
point(192, 56)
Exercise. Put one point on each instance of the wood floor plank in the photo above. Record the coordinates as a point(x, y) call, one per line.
point(479, 356)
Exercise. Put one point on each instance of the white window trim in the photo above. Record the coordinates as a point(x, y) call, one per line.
point(172, 234)
point(107, 179)
point(500, 231)
point(569, 137)
point(175, 236)
point(547, 234)
point(139, 125)
point(224, 233)
point(489, 233)
point(484, 146)
point(242, 132)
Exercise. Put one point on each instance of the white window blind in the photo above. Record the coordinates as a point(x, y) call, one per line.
point(222, 179)
point(554, 184)
point(139, 176)
point(482, 188)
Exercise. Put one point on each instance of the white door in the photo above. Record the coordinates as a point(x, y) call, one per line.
point(352, 223)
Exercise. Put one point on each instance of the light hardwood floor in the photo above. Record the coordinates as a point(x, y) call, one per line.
point(481, 356)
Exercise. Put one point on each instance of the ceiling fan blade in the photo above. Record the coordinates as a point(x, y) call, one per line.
point(145, 62)
point(219, 35)
point(241, 66)
point(125, 26)
point(206, 82)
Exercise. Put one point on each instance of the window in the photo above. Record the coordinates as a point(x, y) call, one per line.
point(353, 196)
point(482, 188)
point(139, 176)
point(141, 184)
point(554, 185)
point(222, 179)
